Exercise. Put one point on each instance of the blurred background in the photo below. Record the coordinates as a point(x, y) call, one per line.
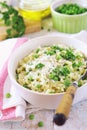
point(12, 2)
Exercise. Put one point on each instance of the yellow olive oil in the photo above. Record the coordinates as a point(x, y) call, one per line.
point(34, 9)
point(35, 14)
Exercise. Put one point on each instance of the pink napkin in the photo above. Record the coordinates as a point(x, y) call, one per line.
point(12, 108)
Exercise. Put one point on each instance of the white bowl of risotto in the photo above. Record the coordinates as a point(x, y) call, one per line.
point(43, 68)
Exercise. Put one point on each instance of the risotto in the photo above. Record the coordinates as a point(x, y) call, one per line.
point(51, 69)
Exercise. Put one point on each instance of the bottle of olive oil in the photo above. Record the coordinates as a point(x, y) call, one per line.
point(34, 9)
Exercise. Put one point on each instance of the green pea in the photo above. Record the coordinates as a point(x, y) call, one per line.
point(38, 85)
point(31, 117)
point(40, 124)
point(70, 9)
point(67, 82)
point(35, 55)
point(8, 95)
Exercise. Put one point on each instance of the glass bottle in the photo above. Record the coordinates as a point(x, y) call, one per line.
point(34, 9)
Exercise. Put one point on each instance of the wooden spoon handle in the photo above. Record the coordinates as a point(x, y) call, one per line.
point(63, 109)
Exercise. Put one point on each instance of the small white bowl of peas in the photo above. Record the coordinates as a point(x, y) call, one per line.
point(69, 16)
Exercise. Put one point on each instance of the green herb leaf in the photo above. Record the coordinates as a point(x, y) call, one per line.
point(25, 85)
point(39, 66)
point(30, 78)
point(13, 20)
point(64, 71)
point(37, 50)
point(68, 54)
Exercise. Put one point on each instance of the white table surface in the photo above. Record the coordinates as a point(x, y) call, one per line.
point(77, 118)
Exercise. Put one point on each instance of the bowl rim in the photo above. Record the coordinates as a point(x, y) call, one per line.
point(19, 48)
point(61, 14)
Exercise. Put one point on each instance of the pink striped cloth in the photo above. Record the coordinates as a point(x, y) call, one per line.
point(12, 108)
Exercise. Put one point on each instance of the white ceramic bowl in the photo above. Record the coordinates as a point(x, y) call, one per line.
point(38, 99)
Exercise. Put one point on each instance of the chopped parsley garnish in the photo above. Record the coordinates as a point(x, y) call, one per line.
point(64, 71)
point(68, 54)
point(58, 72)
point(30, 78)
point(77, 65)
point(53, 50)
point(39, 66)
point(50, 52)
point(54, 47)
point(37, 50)
point(54, 76)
